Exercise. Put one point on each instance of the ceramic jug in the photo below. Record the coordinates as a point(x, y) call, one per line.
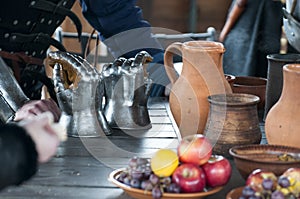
point(282, 121)
point(202, 75)
point(274, 76)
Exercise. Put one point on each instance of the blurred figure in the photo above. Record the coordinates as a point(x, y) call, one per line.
point(122, 28)
point(256, 34)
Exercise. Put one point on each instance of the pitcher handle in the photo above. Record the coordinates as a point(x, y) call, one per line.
point(168, 60)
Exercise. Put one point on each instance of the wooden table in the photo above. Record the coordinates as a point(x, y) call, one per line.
point(82, 166)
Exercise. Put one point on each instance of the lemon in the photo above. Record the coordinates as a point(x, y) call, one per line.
point(164, 162)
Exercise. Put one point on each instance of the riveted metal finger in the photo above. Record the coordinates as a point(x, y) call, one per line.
point(58, 84)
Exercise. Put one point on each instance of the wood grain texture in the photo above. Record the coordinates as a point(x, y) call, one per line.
point(81, 167)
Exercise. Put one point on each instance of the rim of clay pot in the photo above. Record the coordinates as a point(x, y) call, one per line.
point(295, 68)
point(289, 57)
point(230, 77)
point(205, 45)
point(242, 152)
point(234, 99)
point(249, 81)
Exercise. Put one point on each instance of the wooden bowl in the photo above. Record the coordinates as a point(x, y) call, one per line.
point(267, 157)
point(235, 193)
point(142, 194)
point(251, 85)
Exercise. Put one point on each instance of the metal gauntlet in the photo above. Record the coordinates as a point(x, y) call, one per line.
point(126, 93)
point(11, 95)
point(78, 102)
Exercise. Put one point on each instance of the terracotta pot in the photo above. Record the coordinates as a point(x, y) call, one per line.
point(251, 85)
point(275, 77)
point(202, 75)
point(230, 78)
point(282, 122)
point(233, 120)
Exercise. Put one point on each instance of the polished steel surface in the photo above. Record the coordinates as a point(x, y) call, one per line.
point(127, 91)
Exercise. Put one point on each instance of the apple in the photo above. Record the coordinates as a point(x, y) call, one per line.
point(256, 178)
point(189, 177)
point(217, 171)
point(195, 149)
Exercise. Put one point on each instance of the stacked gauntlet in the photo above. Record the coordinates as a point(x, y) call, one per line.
point(127, 89)
point(80, 90)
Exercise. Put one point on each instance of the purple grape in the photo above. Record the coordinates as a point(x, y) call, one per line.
point(156, 192)
point(248, 191)
point(146, 185)
point(154, 179)
point(142, 161)
point(127, 180)
point(135, 183)
point(267, 184)
point(135, 174)
point(284, 182)
point(133, 162)
point(147, 172)
point(277, 195)
point(166, 180)
point(173, 188)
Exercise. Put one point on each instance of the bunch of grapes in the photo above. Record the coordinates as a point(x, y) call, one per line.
point(281, 188)
point(139, 175)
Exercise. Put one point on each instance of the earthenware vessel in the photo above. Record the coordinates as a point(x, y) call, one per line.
point(275, 77)
point(282, 121)
point(251, 85)
point(202, 75)
point(233, 120)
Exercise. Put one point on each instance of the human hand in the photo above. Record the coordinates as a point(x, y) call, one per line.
point(36, 107)
point(45, 134)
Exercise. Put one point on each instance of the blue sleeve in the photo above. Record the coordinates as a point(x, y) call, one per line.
point(111, 17)
point(124, 31)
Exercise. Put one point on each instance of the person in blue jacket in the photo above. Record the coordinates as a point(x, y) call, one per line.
point(122, 28)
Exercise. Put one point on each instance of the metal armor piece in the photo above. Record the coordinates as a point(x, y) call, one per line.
point(80, 113)
point(291, 16)
point(127, 89)
point(11, 95)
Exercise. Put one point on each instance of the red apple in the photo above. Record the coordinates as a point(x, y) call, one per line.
point(189, 177)
point(217, 171)
point(195, 149)
point(293, 173)
point(257, 176)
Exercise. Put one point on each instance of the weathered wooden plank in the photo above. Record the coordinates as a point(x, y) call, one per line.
point(114, 147)
point(82, 165)
point(160, 120)
point(158, 112)
point(58, 192)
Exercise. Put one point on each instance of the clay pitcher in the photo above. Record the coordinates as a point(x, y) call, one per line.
point(202, 75)
point(282, 121)
point(275, 77)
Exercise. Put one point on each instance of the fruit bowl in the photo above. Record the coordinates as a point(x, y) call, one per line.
point(275, 158)
point(235, 193)
point(142, 194)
